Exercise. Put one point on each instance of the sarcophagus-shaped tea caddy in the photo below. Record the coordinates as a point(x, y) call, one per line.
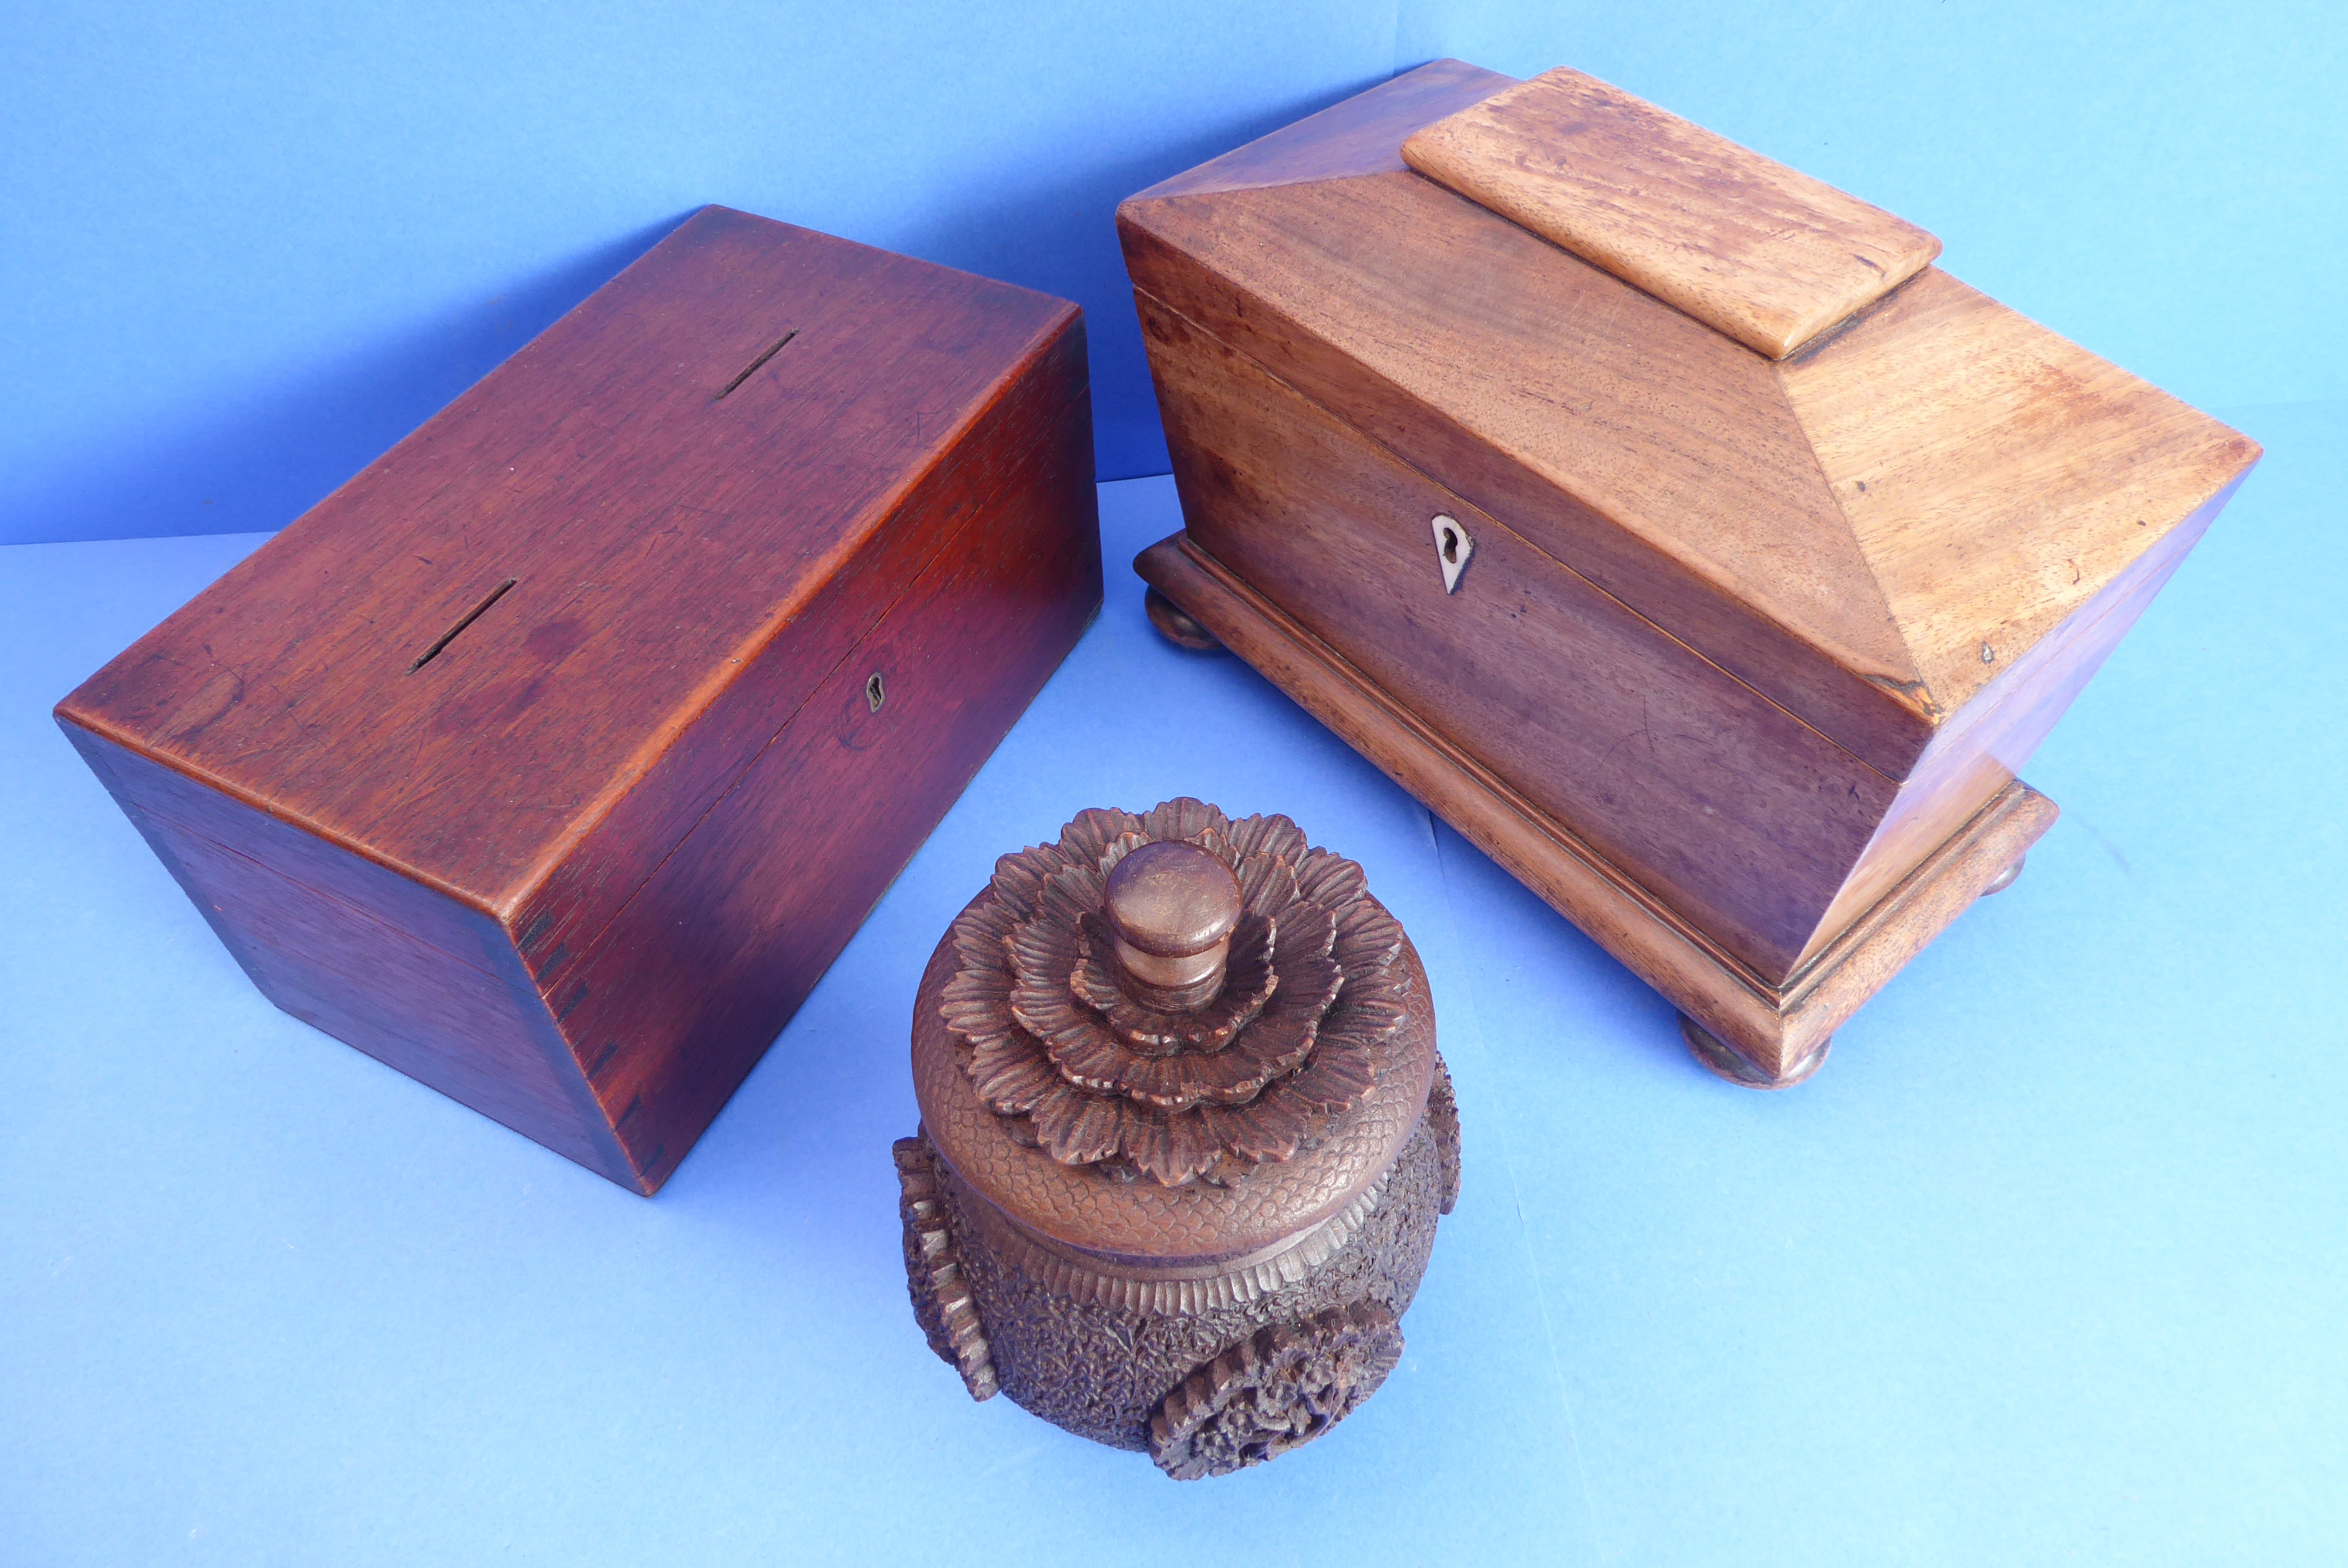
point(554, 758)
point(1659, 516)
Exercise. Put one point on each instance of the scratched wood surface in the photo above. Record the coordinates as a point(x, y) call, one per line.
point(1904, 545)
point(1996, 475)
point(1749, 247)
point(1636, 446)
point(1685, 778)
point(521, 676)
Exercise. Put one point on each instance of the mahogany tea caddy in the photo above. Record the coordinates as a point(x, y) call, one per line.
point(1659, 516)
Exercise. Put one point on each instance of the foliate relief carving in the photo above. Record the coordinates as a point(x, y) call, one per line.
point(1443, 1121)
point(1067, 1050)
point(1279, 1388)
point(1101, 1370)
point(934, 1274)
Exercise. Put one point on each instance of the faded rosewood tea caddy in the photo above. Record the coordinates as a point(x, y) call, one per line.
point(554, 757)
point(1184, 1137)
point(1657, 515)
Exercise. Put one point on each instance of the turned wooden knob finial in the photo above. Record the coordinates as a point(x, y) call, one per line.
point(1172, 906)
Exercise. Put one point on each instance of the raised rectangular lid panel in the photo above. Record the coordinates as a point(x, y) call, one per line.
point(1754, 250)
point(482, 639)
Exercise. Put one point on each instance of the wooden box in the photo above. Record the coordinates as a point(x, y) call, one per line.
point(552, 759)
point(1659, 517)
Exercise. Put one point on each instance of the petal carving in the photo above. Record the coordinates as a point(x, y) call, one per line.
point(1275, 836)
point(1183, 817)
point(1082, 1071)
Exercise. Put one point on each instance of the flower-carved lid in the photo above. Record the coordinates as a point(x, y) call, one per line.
point(1173, 1036)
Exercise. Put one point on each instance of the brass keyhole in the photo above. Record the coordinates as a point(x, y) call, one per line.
point(874, 692)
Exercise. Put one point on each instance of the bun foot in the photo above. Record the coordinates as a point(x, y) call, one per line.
point(2005, 877)
point(1726, 1061)
point(1174, 623)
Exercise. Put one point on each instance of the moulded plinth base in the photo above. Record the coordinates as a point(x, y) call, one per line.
point(1744, 1027)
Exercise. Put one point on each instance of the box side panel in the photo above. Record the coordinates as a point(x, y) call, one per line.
point(1997, 476)
point(598, 874)
point(1773, 1028)
point(1637, 447)
point(677, 998)
point(1993, 736)
point(414, 979)
point(1723, 805)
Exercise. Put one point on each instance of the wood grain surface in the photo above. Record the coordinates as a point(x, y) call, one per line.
point(1686, 779)
point(1761, 637)
point(418, 981)
point(1995, 476)
point(521, 675)
point(1772, 1025)
point(1636, 446)
point(1749, 247)
point(1985, 744)
point(1361, 135)
point(753, 904)
point(638, 514)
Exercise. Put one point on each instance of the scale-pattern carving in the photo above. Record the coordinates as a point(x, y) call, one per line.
point(1242, 1282)
point(1084, 1207)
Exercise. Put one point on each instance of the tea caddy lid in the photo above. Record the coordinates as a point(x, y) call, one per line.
point(1077, 1073)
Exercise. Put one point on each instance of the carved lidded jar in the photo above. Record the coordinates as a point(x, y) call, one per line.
point(1184, 1136)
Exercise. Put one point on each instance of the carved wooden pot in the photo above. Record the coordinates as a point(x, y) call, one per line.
point(1184, 1137)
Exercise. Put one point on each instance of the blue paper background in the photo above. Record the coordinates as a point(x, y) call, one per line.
point(249, 246)
point(2047, 1266)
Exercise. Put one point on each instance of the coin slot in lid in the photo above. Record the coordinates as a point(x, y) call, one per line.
point(462, 622)
point(752, 368)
